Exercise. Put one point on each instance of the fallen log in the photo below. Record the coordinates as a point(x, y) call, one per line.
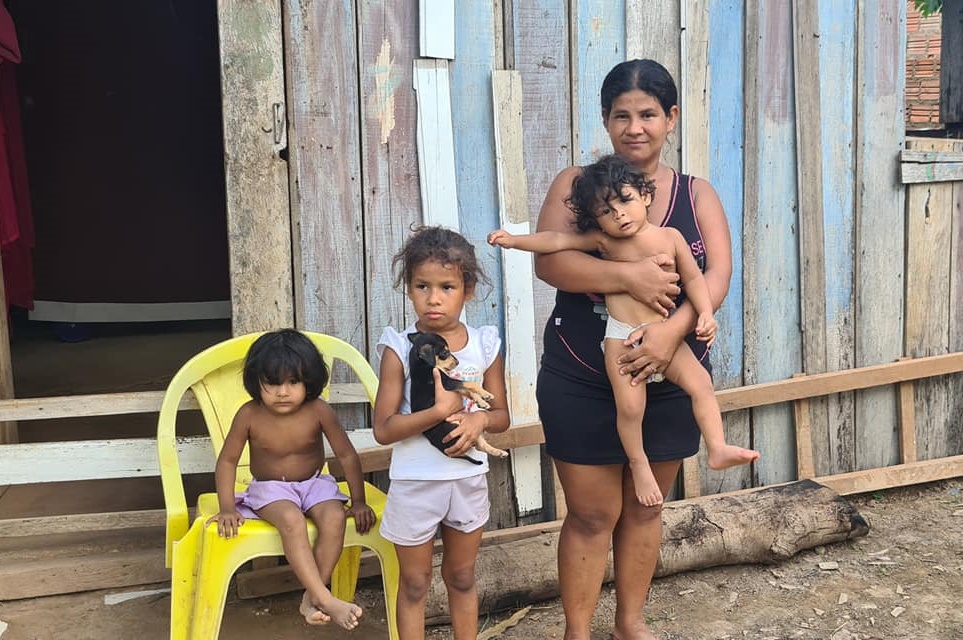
point(758, 527)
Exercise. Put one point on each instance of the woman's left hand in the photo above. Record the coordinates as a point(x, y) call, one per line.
point(463, 437)
point(658, 345)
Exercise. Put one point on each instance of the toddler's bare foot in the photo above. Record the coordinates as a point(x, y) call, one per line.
point(730, 456)
point(345, 614)
point(312, 615)
point(646, 488)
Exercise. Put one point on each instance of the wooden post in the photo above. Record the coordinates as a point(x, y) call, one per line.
point(804, 439)
point(8, 430)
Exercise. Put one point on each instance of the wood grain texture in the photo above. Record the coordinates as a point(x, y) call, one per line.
point(436, 146)
point(654, 30)
point(391, 197)
point(597, 44)
point(771, 262)
point(258, 209)
point(879, 284)
point(436, 31)
point(542, 59)
point(834, 449)
point(322, 74)
point(807, 79)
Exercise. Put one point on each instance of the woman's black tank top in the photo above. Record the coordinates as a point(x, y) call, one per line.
point(574, 331)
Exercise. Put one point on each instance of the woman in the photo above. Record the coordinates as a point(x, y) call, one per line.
point(577, 410)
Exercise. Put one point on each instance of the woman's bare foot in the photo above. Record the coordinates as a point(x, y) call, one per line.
point(312, 615)
point(646, 488)
point(346, 615)
point(730, 456)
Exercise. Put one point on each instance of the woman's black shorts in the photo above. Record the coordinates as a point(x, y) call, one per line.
point(579, 423)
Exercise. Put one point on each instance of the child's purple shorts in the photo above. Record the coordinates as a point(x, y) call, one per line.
point(305, 493)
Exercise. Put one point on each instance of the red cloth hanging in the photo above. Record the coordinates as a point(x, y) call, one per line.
point(16, 217)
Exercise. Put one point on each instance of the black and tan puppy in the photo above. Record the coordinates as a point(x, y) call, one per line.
point(430, 351)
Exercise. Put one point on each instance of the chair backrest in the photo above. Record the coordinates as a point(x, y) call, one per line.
point(215, 378)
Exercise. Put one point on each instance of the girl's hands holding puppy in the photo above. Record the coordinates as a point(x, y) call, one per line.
point(465, 435)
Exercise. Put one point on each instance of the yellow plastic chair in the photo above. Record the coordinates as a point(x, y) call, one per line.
point(202, 562)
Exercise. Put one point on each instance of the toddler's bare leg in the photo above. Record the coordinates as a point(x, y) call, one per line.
point(686, 371)
point(630, 407)
point(319, 606)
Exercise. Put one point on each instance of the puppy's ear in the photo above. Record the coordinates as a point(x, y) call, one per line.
point(413, 336)
point(426, 353)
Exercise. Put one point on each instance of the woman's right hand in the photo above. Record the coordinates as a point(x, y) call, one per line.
point(653, 282)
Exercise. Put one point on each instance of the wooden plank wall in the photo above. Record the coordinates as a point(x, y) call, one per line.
point(820, 273)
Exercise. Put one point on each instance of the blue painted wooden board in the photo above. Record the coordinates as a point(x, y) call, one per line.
point(772, 251)
point(599, 44)
point(837, 31)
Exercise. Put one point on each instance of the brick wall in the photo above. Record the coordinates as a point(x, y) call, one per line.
point(922, 70)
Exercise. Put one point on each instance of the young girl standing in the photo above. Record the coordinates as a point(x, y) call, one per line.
point(429, 489)
point(283, 423)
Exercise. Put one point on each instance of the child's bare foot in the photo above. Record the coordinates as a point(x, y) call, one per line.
point(346, 615)
point(312, 615)
point(730, 455)
point(646, 488)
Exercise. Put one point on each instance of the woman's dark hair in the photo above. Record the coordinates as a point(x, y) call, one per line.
point(600, 182)
point(645, 75)
point(440, 245)
point(284, 355)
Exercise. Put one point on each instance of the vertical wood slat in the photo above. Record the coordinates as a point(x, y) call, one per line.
point(802, 410)
point(880, 64)
point(436, 32)
point(692, 80)
point(474, 156)
point(725, 104)
point(929, 268)
point(321, 59)
point(258, 209)
point(834, 449)
point(436, 147)
point(907, 422)
point(391, 195)
point(809, 176)
point(652, 30)
point(770, 264)
point(597, 44)
point(521, 367)
point(541, 57)
point(955, 390)
point(8, 430)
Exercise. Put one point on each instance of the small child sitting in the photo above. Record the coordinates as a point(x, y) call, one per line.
point(283, 424)
point(610, 200)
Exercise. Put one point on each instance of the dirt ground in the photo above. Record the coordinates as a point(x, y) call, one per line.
point(903, 580)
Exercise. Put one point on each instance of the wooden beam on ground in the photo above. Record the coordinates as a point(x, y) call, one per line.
point(900, 475)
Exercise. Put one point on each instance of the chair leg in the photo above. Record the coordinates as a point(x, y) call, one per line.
point(218, 562)
point(344, 578)
point(183, 583)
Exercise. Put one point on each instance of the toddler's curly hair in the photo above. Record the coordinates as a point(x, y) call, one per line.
point(600, 182)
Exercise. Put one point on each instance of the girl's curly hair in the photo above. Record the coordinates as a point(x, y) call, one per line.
point(441, 245)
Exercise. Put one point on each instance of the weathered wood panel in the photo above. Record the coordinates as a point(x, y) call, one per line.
point(834, 451)
point(771, 259)
point(951, 52)
point(809, 169)
point(320, 39)
point(436, 147)
point(597, 44)
point(653, 30)
point(472, 117)
point(541, 57)
point(878, 320)
point(521, 367)
point(391, 195)
point(932, 211)
point(258, 210)
point(725, 105)
point(436, 32)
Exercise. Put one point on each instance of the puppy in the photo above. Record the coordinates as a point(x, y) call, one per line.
point(430, 351)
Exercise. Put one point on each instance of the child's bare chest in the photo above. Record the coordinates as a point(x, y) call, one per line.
point(286, 437)
point(646, 243)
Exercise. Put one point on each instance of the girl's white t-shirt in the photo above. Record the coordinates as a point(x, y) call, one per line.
point(415, 458)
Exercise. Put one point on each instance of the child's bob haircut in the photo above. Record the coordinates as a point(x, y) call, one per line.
point(284, 355)
point(601, 182)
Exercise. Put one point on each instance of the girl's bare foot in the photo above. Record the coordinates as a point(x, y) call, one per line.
point(346, 615)
point(641, 634)
point(312, 615)
point(646, 488)
point(730, 456)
